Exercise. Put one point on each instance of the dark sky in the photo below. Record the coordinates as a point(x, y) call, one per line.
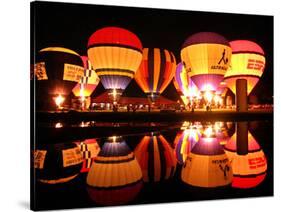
point(70, 25)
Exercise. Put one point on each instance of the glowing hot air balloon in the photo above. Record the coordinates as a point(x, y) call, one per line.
point(57, 71)
point(248, 62)
point(221, 132)
point(249, 170)
point(184, 142)
point(184, 85)
point(206, 56)
point(115, 176)
point(89, 149)
point(156, 71)
point(156, 158)
point(57, 163)
point(207, 165)
point(115, 54)
point(88, 82)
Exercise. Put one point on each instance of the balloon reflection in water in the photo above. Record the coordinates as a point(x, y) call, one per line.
point(207, 165)
point(221, 132)
point(89, 149)
point(57, 163)
point(115, 176)
point(184, 142)
point(156, 158)
point(248, 170)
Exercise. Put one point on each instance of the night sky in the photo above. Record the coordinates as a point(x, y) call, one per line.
point(70, 26)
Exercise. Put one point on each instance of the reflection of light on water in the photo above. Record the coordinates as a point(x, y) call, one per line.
point(58, 125)
point(185, 125)
point(191, 129)
point(208, 132)
point(218, 126)
point(84, 124)
point(192, 134)
point(229, 125)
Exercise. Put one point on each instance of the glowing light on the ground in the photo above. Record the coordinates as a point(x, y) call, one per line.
point(218, 100)
point(208, 95)
point(114, 138)
point(58, 125)
point(59, 100)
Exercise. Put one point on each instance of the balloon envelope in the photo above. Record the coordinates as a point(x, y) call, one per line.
point(207, 165)
point(57, 163)
point(89, 149)
point(248, 170)
point(88, 82)
point(57, 70)
point(184, 142)
point(206, 56)
point(156, 158)
point(156, 71)
point(115, 54)
point(183, 83)
point(115, 176)
point(248, 62)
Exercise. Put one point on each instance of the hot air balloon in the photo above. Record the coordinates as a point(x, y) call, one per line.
point(85, 87)
point(248, 62)
point(89, 149)
point(88, 82)
point(156, 158)
point(249, 170)
point(156, 71)
point(184, 142)
point(57, 71)
point(57, 163)
point(206, 56)
point(115, 54)
point(184, 85)
point(115, 176)
point(207, 165)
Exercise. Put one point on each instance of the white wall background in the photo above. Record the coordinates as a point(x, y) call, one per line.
point(15, 116)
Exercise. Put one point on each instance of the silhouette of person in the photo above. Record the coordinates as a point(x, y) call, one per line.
point(225, 60)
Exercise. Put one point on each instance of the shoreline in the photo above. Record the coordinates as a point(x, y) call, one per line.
point(76, 116)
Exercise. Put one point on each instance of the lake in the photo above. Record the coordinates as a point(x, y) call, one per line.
point(178, 161)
